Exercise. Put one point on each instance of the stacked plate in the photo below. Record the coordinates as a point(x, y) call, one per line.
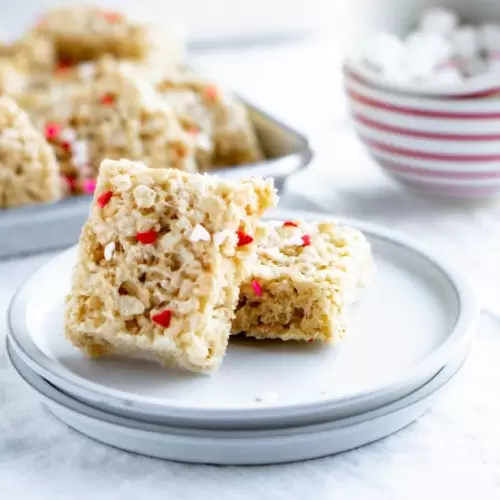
point(438, 142)
point(271, 401)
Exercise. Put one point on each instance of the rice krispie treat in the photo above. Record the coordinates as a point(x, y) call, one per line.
point(12, 80)
point(28, 169)
point(160, 262)
point(114, 115)
point(306, 276)
point(84, 32)
point(35, 54)
point(217, 120)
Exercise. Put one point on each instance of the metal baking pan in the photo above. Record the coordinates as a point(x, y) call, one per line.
point(44, 227)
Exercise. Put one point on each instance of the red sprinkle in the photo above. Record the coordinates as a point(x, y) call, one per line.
point(306, 240)
point(163, 318)
point(88, 186)
point(311, 340)
point(147, 237)
point(290, 223)
point(52, 131)
point(107, 99)
point(243, 238)
point(211, 93)
point(71, 183)
point(103, 199)
point(257, 288)
point(113, 17)
point(63, 67)
point(66, 146)
point(41, 22)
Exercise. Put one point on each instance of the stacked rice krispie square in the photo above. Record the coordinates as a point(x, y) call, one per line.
point(215, 117)
point(160, 262)
point(113, 115)
point(306, 276)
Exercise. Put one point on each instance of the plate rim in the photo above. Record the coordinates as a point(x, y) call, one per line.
point(462, 330)
point(441, 379)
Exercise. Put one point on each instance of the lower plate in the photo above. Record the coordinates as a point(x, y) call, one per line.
point(240, 447)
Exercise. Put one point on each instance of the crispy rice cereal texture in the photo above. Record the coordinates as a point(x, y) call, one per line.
point(28, 169)
point(218, 121)
point(85, 32)
point(112, 115)
point(160, 262)
point(306, 276)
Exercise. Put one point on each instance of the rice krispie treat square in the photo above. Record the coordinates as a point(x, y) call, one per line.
point(112, 114)
point(218, 121)
point(306, 276)
point(34, 54)
point(160, 262)
point(28, 169)
point(12, 80)
point(85, 32)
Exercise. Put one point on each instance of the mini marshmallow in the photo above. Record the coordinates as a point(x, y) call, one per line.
point(383, 50)
point(397, 73)
point(430, 45)
point(438, 20)
point(447, 76)
point(465, 41)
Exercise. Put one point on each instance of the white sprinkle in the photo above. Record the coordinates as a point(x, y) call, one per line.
point(294, 241)
point(79, 150)
point(68, 135)
point(109, 250)
point(151, 99)
point(439, 20)
point(220, 236)
point(86, 70)
point(199, 234)
point(10, 133)
point(203, 141)
point(267, 397)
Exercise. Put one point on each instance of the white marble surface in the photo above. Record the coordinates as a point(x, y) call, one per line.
point(451, 452)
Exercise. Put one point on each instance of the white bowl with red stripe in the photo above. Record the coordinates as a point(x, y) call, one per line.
point(445, 146)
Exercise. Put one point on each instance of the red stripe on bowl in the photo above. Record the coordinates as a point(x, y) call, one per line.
point(419, 112)
point(420, 134)
point(428, 156)
point(441, 174)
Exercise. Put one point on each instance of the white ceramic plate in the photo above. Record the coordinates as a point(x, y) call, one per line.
point(240, 447)
point(411, 321)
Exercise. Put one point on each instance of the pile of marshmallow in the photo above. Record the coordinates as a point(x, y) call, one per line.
point(439, 51)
